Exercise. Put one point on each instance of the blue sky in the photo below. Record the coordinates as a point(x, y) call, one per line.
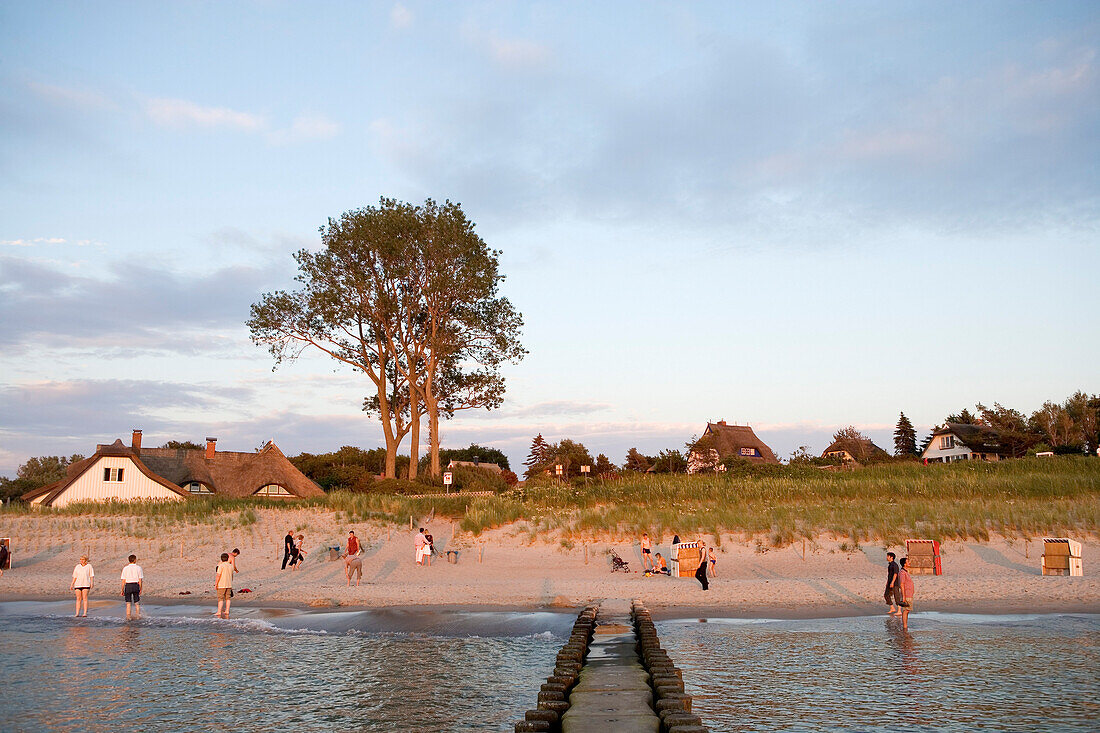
point(799, 216)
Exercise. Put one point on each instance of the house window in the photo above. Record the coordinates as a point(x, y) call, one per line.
point(947, 442)
point(113, 474)
point(272, 490)
point(196, 487)
point(748, 451)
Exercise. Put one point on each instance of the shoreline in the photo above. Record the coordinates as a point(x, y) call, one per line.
point(659, 613)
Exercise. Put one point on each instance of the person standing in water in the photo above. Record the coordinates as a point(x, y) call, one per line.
point(83, 580)
point(132, 582)
point(223, 584)
point(905, 581)
point(893, 592)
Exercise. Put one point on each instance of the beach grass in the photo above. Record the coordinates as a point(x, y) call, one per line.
point(781, 505)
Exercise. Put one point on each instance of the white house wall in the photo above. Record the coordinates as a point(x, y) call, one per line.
point(135, 485)
point(933, 451)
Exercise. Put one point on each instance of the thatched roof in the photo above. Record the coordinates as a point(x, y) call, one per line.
point(74, 471)
point(728, 440)
point(470, 464)
point(230, 473)
point(859, 450)
point(978, 438)
point(225, 473)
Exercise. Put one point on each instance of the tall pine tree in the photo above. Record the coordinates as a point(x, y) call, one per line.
point(905, 437)
point(540, 454)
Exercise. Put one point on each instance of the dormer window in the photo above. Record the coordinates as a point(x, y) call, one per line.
point(272, 490)
point(113, 474)
point(196, 487)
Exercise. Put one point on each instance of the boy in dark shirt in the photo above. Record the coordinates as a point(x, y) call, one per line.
point(893, 586)
point(288, 547)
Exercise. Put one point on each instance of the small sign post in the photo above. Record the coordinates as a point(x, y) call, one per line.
point(586, 470)
point(447, 479)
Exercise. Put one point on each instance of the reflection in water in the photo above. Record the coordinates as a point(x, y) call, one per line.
point(192, 675)
point(946, 673)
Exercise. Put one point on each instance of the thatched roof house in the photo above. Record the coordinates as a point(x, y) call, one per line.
point(121, 473)
point(720, 441)
point(854, 450)
point(491, 467)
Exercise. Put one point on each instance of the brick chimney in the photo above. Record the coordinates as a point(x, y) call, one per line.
point(210, 447)
point(135, 442)
point(722, 423)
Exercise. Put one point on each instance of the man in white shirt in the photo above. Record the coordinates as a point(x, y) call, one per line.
point(421, 543)
point(132, 581)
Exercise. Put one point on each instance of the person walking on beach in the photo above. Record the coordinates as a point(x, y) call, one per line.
point(647, 552)
point(288, 548)
point(223, 584)
point(83, 580)
point(892, 595)
point(713, 560)
point(905, 581)
point(133, 580)
point(421, 542)
point(353, 544)
point(701, 571)
point(299, 553)
point(4, 555)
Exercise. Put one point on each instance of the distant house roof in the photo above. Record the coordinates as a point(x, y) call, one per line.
point(230, 473)
point(75, 470)
point(978, 438)
point(487, 466)
point(729, 440)
point(859, 450)
point(226, 473)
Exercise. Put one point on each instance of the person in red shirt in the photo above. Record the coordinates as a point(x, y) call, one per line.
point(353, 543)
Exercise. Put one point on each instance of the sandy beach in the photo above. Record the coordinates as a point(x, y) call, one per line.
point(520, 571)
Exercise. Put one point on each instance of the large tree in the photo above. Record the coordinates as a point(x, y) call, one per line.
point(37, 471)
point(1013, 429)
point(407, 295)
point(905, 437)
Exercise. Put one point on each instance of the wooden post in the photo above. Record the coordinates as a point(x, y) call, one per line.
point(410, 522)
point(1025, 549)
point(181, 548)
point(585, 553)
point(479, 552)
point(803, 549)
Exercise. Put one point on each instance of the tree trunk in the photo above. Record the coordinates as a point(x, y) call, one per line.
point(432, 404)
point(392, 441)
point(414, 430)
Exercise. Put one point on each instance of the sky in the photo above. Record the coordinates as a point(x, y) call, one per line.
point(799, 216)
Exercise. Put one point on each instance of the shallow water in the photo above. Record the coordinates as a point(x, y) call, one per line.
point(389, 670)
point(277, 670)
point(949, 672)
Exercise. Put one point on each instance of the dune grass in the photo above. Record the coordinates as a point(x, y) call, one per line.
point(888, 502)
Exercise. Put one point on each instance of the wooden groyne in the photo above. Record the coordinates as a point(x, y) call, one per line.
point(612, 676)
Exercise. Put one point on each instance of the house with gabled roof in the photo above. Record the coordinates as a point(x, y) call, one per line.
point(720, 441)
point(116, 472)
point(964, 442)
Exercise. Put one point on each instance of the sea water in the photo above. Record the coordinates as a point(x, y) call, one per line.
point(948, 672)
point(286, 670)
point(181, 669)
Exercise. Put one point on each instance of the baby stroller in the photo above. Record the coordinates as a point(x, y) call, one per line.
point(617, 563)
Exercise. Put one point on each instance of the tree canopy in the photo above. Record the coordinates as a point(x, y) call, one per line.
point(409, 296)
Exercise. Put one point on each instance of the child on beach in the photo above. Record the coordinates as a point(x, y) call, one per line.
point(713, 559)
point(647, 552)
point(299, 553)
point(429, 548)
point(905, 580)
point(223, 584)
point(421, 542)
point(660, 566)
point(83, 580)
